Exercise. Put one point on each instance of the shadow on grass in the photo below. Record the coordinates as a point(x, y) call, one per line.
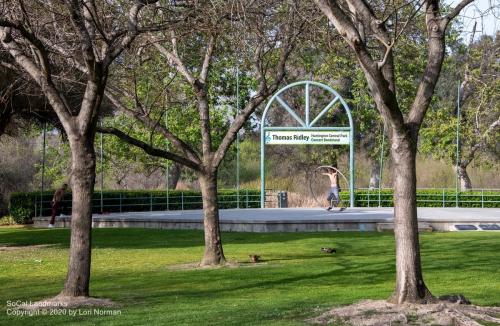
point(289, 246)
point(129, 238)
point(300, 276)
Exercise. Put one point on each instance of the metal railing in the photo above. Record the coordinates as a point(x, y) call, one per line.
point(178, 201)
point(365, 197)
point(433, 197)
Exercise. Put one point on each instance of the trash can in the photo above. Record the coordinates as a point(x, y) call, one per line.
point(282, 199)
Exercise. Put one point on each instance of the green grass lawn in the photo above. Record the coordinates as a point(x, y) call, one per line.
point(134, 267)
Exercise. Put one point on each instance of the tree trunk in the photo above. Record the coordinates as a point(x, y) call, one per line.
point(410, 286)
point(214, 255)
point(375, 174)
point(174, 175)
point(82, 185)
point(463, 177)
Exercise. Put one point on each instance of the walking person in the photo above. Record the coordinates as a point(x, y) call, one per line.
point(56, 203)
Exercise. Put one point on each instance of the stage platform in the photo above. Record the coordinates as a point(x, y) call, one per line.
point(297, 219)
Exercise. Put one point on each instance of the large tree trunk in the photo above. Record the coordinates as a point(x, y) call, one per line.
point(214, 255)
point(463, 177)
point(82, 185)
point(375, 174)
point(410, 286)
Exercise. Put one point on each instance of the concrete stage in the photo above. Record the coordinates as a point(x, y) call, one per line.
point(296, 219)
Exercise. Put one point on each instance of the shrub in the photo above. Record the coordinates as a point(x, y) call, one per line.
point(7, 220)
point(428, 198)
point(21, 215)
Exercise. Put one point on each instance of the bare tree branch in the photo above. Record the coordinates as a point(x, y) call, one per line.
point(149, 149)
point(435, 56)
point(208, 58)
point(481, 143)
point(263, 92)
point(42, 78)
point(173, 59)
point(457, 9)
point(133, 31)
point(384, 96)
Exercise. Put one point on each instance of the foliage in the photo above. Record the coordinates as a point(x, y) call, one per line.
point(17, 160)
point(480, 107)
point(57, 161)
point(7, 220)
point(427, 198)
point(22, 215)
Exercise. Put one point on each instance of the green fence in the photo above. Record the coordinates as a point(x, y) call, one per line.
point(482, 198)
point(23, 206)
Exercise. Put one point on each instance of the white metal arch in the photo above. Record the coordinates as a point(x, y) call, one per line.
point(307, 125)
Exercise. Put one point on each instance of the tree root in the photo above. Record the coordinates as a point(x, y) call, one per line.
point(379, 313)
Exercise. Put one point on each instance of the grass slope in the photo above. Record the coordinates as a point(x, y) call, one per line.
point(134, 268)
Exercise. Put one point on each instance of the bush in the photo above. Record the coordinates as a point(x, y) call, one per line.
point(427, 198)
point(21, 215)
point(7, 220)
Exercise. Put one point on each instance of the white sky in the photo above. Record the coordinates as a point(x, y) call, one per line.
point(485, 12)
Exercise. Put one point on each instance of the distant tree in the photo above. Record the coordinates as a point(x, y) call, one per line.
point(478, 69)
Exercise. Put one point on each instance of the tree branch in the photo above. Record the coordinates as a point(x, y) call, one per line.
point(208, 58)
point(133, 30)
point(78, 21)
point(389, 47)
point(184, 148)
point(147, 148)
point(436, 27)
point(480, 143)
point(457, 9)
point(173, 59)
point(381, 89)
point(263, 92)
point(42, 78)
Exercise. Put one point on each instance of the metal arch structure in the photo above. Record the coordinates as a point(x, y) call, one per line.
point(307, 125)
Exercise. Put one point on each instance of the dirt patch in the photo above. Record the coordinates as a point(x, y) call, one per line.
point(16, 226)
point(381, 313)
point(13, 248)
point(68, 302)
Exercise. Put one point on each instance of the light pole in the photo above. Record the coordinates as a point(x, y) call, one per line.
point(43, 167)
point(381, 164)
point(458, 145)
point(167, 166)
point(237, 139)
